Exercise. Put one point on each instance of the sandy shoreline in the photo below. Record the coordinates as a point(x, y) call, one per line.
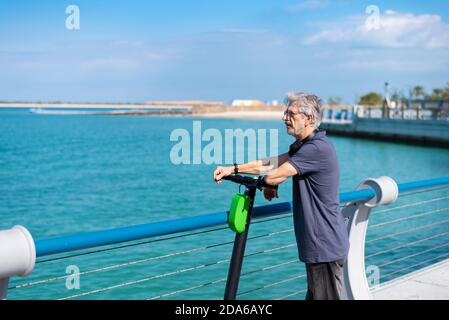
point(276, 115)
point(78, 106)
point(211, 113)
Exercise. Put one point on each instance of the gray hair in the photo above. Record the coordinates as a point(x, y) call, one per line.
point(309, 104)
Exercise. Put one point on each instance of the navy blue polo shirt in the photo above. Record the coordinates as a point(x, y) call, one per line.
point(320, 229)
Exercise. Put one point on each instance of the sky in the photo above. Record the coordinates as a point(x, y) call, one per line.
point(136, 51)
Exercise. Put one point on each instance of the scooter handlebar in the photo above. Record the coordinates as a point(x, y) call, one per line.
point(249, 182)
point(246, 181)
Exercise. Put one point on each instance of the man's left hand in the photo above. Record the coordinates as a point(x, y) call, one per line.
point(270, 193)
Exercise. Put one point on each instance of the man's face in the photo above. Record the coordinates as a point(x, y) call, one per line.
point(295, 122)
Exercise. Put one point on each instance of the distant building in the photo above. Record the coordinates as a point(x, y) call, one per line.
point(247, 103)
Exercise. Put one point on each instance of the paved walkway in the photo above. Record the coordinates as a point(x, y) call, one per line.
point(430, 283)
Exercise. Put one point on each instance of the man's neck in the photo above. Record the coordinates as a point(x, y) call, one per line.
point(307, 132)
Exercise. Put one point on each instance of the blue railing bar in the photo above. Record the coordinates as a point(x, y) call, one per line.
point(107, 237)
point(113, 236)
point(359, 195)
point(423, 184)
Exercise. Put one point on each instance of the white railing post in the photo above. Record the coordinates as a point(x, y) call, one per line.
point(355, 284)
point(17, 255)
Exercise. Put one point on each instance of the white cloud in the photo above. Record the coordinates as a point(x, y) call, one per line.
point(395, 30)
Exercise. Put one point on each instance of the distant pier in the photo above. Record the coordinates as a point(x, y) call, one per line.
point(427, 132)
point(425, 127)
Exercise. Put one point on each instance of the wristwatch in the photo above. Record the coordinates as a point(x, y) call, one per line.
point(236, 168)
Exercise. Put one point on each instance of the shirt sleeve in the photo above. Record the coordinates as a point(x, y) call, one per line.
point(306, 160)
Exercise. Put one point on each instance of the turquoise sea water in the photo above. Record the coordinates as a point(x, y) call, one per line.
point(69, 174)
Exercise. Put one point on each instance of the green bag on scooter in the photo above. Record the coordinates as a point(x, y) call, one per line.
point(238, 213)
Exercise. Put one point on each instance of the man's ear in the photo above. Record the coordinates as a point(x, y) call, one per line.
point(310, 118)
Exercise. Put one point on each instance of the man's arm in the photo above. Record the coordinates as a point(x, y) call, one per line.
point(263, 165)
point(280, 174)
point(253, 167)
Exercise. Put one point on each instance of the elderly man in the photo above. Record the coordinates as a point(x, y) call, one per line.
point(320, 230)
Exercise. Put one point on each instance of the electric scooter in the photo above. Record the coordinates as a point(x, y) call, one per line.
point(239, 220)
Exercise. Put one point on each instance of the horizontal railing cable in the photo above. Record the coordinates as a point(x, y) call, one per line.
point(417, 264)
point(224, 279)
point(219, 229)
point(212, 230)
point(145, 260)
point(414, 255)
point(131, 245)
point(273, 284)
point(115, 236)
point(124, 284)
point(202, 285)
point(75, 242)
point(205, 248)
point(414, 204)
point(155, 240)
point(173, 273)
point(112, 267)
point(405, 245)
point(408, 230)
point(421, 214)
point(431, 189)
point(291, 294)
point(93, 239)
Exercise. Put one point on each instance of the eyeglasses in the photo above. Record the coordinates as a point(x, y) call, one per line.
point(290, 114)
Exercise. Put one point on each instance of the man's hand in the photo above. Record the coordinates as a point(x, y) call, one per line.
point(221, 172)
point(270, 193)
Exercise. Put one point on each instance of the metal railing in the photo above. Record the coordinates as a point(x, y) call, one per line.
point(20, 254)
point(403, 112)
